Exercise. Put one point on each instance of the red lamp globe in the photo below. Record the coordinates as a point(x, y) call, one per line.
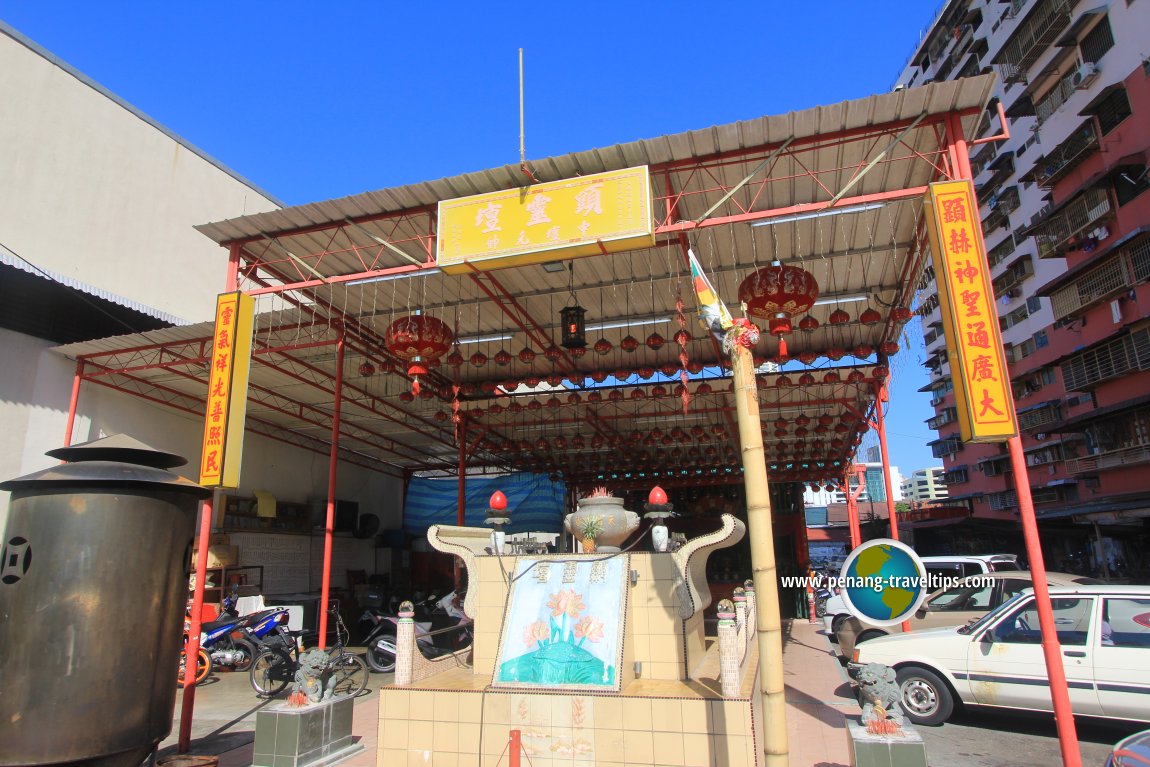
point(498, 501)
point(657, 496)
point(421, 340)
point(777, 294)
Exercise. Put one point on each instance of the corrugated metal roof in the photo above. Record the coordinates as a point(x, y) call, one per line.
point(11, 259)
point(931, 99)
point(866, 258)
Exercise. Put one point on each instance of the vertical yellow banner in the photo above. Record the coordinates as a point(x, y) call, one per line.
point(973, 339)
point(227, 391)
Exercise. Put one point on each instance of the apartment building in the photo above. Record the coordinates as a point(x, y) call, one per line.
point(925, 485)
point(1067, 227)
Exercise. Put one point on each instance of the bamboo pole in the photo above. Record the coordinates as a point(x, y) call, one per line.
point(762, 540)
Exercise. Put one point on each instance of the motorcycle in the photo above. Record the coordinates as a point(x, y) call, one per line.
point(232, 640)
point(441, 627)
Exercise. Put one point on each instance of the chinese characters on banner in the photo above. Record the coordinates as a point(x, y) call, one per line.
point(605, 212)
point(227, 391)
point(973, 341)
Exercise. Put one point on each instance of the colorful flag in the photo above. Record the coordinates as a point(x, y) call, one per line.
point(713, 314)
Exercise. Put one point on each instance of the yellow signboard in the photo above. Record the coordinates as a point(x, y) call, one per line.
point(973, 340)
point(602, 213)
point(227, 391)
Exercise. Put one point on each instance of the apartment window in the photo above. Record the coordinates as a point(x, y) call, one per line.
point(1040, 339)
point(1097, 42)
point(1047, 376)
point(1108, 360)
point(1033, 304)
point(1112, 110)
point(1129, 182)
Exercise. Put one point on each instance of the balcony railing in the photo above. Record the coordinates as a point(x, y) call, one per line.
point(1112, 459)
point(1001, 251)
point(1045, 24)
point(1065, 157)
point(1039, 417)
point(1103, 362)
point(1054, 234)
point(1129, 266)
point(1018, 273)
point(1054, 98)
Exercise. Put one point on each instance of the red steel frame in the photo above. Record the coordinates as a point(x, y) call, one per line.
point(243, 261)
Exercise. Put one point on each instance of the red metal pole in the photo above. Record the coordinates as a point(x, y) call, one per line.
point(882, 394)
point(329, 526)
point(514, 748)
point(72, 403)
point(192, 648)
point(1051, 650)
point(853, 510)
point(880, 426)
point(233, 280)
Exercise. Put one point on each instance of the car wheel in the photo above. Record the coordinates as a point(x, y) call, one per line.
point(838, 621)
point(868, 635)
point(924, 697)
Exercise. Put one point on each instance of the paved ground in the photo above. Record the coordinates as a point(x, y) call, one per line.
point(999, 738)
point(224, 722)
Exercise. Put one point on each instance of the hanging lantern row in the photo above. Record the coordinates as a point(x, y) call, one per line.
point(869, 317)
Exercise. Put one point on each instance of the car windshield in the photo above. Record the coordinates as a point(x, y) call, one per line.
point(978, 624)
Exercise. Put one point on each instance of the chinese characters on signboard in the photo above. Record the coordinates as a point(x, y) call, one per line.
point(973, 341)
point(605, 212)
point(227, 391)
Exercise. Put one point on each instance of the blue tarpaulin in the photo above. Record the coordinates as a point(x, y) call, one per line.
point(535, 502)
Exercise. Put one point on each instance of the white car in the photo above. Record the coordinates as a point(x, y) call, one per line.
point(997, 660)
point(951, 567)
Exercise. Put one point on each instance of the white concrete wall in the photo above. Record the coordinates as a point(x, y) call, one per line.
point(94, 191)
point(33, 417)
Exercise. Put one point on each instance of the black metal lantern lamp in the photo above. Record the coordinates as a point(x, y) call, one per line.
point(574, 336)
point(574, 333)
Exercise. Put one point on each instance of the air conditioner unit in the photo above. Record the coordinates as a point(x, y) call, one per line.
point(1085, 76)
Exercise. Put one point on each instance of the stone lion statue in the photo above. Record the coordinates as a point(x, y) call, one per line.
point(313, 677)
point(878, 692)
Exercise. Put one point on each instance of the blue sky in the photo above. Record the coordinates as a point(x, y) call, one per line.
point(312, 101)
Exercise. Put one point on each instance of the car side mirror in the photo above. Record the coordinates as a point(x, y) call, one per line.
point(922, 611)
point(989, 637)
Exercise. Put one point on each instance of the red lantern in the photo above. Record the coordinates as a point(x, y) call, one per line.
point(573, 398)
point(888, 348)
point(479, 359)
point(603, 346)
point(655, 342)
point(599, 376)
point(659, 391)
point(503, 357)
point(862, 351)
point(367, 369)
point(421, 340)
point(880, 372)
point(855, 376)
point(808, 324)
point(533, 381)
point(526, 355)
point(553, 353)
point(831, 377)
point(781, 423)
point(870, 317)
point(577, 351)
point(807, 357)
point(629, 343)
point(803, 420)
point(645, 373)
point(776, 294)
point(406, 396)
point(694, 366)
point(703, 388)
point(826, 419)
point(839, 317)
point(638, 394)
point(616, 395)
point(901, 314)
point(783, 382)
point(455, 359)
point(806, 379)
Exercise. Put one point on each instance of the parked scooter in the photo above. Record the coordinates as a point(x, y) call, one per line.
point(441, 627)
point(231, 640)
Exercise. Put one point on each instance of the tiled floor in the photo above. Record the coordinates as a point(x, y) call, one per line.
point(817, 697)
